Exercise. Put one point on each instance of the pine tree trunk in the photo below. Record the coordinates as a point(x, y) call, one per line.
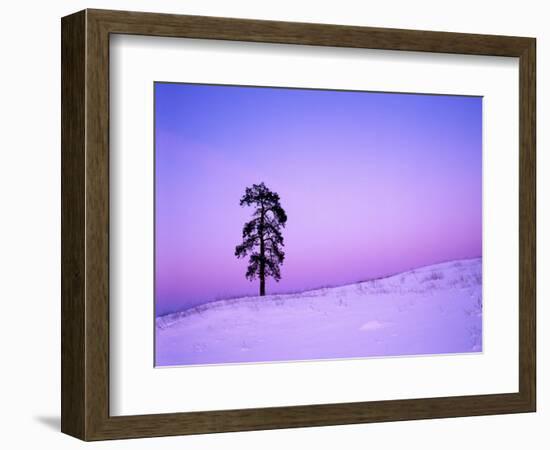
point(262, 266)
point(262, 254)
point(262, 286)
point(262, 269)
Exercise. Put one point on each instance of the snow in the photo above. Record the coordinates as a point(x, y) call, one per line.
point(431, 310)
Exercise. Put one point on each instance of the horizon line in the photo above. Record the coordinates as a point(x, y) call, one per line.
point(382, 277)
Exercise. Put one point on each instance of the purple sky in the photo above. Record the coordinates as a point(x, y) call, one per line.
point(372, 183)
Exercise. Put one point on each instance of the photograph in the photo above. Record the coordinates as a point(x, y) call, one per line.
point(299, 224)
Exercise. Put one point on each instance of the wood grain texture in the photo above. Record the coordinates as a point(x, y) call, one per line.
point(85, 224)
point(527, 224)
point(152, 24)
point(73, 225)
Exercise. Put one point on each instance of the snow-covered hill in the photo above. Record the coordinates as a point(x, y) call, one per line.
point(431, 310)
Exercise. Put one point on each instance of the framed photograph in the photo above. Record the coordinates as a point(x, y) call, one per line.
point(273, 225)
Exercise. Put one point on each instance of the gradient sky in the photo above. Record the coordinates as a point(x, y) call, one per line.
point(372, 183)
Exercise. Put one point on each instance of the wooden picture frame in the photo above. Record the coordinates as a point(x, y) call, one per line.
point(85, 224)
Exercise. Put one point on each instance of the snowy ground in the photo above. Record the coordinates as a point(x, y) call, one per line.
point(431, 310)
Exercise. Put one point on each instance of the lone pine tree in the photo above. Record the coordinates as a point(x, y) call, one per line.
point(262, 237)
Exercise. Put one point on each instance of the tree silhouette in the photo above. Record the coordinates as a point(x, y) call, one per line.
point(262, 238)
